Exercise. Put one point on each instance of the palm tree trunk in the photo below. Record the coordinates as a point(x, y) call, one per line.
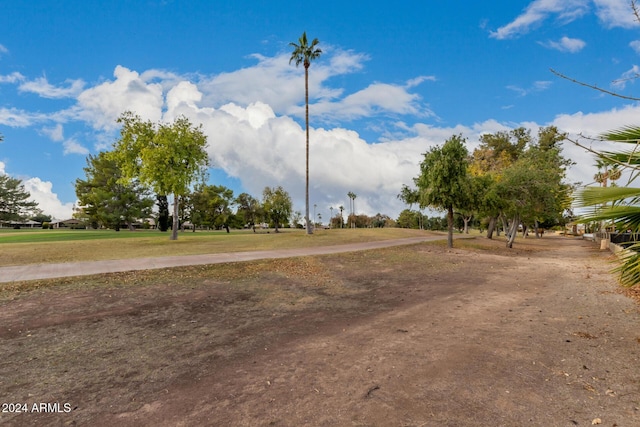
point(306, 119)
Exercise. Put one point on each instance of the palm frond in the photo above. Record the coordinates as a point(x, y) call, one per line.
point(591, 196)
point(629, 269)
point(629, 134)
point(623, 217)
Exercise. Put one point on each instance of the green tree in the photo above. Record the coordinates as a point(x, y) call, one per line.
point(167, 157)
point(211, 205)
point(534, 189)
point(277, 205)
point(444, 181)
point(105, 199)
point(248, 209)
point(14, 200)
point(303, 53)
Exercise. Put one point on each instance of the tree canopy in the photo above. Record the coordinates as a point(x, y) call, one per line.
point(444, 182)
point(108, 201)
point(167, 157)
point(14, 200)
point(277, 205)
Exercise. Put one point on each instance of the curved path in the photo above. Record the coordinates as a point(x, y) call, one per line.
point(49, 271)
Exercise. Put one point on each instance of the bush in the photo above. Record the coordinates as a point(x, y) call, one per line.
point(46, 225)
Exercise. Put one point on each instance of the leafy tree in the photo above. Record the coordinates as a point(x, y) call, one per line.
point(303, 53)
point(277, 205)
point(105, 199)
point(501, 154)
point(534, 190)
point(167, 157)
point(211, 205)
point(14, 200)
point(248, 209)
point(444, 182)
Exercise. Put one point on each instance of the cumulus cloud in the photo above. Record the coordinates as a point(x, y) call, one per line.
point(566, 44)
point(103, 104)
point(48, 201)
point(42, 193)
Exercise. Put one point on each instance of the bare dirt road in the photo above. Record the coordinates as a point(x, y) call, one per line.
point(406, 336)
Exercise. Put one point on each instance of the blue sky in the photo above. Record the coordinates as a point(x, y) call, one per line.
point(394, 80)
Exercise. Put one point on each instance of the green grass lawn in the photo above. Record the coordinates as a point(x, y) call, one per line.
point(34, 246)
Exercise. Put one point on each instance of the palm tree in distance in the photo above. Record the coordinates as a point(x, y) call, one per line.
point(352, 198)
point(304, 53)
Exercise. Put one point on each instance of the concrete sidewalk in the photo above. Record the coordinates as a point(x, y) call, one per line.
point(49, 271)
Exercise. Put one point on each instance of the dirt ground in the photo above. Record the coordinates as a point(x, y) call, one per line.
point(410, 336)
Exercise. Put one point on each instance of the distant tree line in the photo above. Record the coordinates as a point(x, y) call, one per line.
point(513, 181)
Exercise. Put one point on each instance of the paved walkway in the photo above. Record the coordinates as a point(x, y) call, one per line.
point(49, 271)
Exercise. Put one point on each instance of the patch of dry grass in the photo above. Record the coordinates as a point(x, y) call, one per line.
point(148, 245)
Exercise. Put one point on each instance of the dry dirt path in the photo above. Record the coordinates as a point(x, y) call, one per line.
point(414, 335)
point(71, 269)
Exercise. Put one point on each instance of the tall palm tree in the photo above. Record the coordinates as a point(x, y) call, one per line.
point(352, 205)
point(304, 53)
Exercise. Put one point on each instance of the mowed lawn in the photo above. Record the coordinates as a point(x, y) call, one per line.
point(20, 247)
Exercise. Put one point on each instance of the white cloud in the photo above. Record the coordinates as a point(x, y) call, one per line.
point(48, 201)
point(615, 13)
point(17, 118)
point(71, 146)
point(538, 11)
point(3, 50)
point(375, 99)
point(635, 45)
point(12, 78)
point(566, 44)
point(41, 192)
point(55, 133)
point(103, 104)
point(591, 125)
point(43, 88)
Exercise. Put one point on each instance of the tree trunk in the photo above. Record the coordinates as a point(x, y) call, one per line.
point(536, 225)
point(513, 231)
point(491, 227)
point(176, 222)
point(505, 225)
point(306, 120)
point(450, 227)
point(466, 220)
